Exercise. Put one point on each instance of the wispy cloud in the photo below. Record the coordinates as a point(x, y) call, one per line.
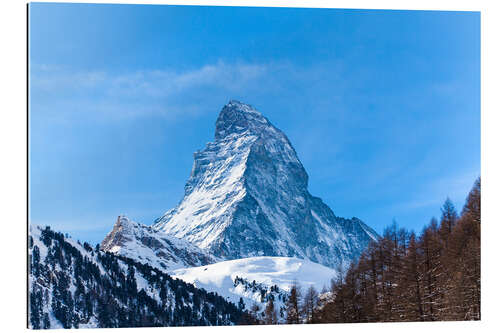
point(174, 93)
point(162, 83)
point(161, 92)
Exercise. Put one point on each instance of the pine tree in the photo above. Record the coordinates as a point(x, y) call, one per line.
point(131, 281)
point(411, 281)
point(449, 218)
point(308, 305)
point(472, 208)
point(292, 305)
point(103, 315)
point(262, 295)
point(46, 321)
point(271, 317)
point(255, 310)
point(35, 261)
point(241, 304)
point(34, 302)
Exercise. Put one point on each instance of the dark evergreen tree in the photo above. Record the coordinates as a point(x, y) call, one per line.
point(35, 261)
point(46, 321)
point(241, 304)
point(34, 302)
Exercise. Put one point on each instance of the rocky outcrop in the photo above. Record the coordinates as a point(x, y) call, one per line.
point(146, 245)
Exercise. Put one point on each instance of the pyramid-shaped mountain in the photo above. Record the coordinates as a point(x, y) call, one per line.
point(247, 196)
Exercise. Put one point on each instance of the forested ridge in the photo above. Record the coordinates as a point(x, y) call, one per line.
point(76, 286)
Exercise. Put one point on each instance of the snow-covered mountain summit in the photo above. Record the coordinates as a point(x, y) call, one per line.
point(247, 196)
point(237, 118)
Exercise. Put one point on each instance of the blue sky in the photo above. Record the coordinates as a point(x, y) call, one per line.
point(383, 107)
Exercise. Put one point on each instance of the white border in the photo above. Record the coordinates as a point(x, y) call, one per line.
point(13, 161)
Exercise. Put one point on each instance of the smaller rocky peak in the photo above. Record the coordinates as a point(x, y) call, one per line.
point(123, 231)
point(124, 223)
point(119, 235)
point(238, 117)
point(122, 219)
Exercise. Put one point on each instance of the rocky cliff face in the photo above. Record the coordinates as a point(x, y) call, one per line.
point(148, 246)
point(247, 196)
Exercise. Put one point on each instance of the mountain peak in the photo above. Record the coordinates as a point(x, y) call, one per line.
point(237, 106)
point(247, 196)
point(143, 244)
point(238, 117)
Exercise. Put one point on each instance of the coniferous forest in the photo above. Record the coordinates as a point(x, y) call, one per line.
point(432, 276)
point(78, 286)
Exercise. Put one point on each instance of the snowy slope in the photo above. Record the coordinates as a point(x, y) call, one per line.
point(143, 244)
point(35, 233)
point(267, 271)
point(247, 196)
point(75, 286)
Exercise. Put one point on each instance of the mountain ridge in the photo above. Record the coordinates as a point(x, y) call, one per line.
point(76, 286)
point(143, 244)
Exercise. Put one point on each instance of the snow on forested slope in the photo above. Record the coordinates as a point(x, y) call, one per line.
point(76, 286)
point(267, 272)
point(157, 249)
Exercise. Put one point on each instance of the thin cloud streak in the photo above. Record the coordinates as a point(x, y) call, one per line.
point(65, 95)
point(156, 83)
point(164, 93)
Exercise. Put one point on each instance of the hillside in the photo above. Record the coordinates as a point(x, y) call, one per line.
point(77, 286)
point(246, 278)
